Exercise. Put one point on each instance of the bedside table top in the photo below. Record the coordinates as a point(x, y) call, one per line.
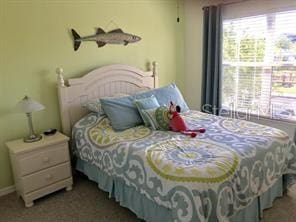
point(19, 146)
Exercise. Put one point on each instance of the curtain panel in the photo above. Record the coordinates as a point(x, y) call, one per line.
point(212, 60)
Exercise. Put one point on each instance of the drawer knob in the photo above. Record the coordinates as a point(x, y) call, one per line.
point(48, 176)
point(45, 159)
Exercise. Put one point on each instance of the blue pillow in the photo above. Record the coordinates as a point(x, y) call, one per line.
point(166, 94)
point(123, 113)
point(94, 105)
point(144, 104)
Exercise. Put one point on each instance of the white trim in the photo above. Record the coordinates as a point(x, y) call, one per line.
point(7, 190)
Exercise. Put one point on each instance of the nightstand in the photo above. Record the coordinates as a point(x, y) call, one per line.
point(41, 167)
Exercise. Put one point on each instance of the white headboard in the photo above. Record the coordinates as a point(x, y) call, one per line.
point(104, 81)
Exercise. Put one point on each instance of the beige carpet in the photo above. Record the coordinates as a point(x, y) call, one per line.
point(87, 203)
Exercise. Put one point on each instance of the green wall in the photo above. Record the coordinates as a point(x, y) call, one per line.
point(35, 39)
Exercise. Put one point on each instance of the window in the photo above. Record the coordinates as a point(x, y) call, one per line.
point(259, 65)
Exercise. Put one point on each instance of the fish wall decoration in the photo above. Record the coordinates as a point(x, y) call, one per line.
point(116, 36)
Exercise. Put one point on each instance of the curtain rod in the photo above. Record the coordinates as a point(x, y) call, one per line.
point(233, 2)
point(227, 3)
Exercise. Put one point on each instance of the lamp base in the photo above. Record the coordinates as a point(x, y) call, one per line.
point(32, 138)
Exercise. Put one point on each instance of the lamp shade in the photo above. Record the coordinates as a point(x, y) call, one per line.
point(28, 105)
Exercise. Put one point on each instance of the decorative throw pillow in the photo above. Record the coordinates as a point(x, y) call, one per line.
point(162, 117)
point(144, 104)
point(149, 115)
point(158, 118)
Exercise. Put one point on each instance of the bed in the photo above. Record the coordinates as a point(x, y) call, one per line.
point(231, 173)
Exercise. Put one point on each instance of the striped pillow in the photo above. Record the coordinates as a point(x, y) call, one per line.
point(144, 104)
point(162, 117)
point(149, 115)
point(158, 118)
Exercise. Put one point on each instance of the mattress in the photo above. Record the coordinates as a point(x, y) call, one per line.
point(210, 177)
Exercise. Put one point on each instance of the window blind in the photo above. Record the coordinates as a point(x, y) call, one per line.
point(246, 8)
point(259, 65)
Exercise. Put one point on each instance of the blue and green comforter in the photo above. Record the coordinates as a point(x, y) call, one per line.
point(200, 179)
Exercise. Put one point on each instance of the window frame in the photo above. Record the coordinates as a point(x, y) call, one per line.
point(270, 64)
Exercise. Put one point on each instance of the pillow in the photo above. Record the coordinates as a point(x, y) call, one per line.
point(162, 117)
point(121, 112)
point(94, 105)
point(158, 118)
point(164, 95)
point(149, 115)
point(144, 104)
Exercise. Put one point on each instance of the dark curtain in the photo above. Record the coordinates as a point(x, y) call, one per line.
point(212, 60)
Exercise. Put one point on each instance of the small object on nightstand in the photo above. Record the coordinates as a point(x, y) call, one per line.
point(40, 168)
point(49, 132)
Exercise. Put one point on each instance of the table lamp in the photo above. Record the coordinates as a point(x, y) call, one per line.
point(28, 105)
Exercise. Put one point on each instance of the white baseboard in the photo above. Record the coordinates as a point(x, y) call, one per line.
point(7, 190)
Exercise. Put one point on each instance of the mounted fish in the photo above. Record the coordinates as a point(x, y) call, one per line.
point(116, 36)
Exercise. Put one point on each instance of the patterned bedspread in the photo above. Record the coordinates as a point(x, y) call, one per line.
point(211, 176)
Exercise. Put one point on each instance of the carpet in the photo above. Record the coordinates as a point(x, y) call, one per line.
point(87, 203)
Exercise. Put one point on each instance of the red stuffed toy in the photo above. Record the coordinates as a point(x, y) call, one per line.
point(177, 123)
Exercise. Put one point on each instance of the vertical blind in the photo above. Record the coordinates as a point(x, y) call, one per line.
point(259, 65)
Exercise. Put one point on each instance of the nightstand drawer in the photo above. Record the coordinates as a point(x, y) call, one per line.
point(44, 158)
point(46, 177)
